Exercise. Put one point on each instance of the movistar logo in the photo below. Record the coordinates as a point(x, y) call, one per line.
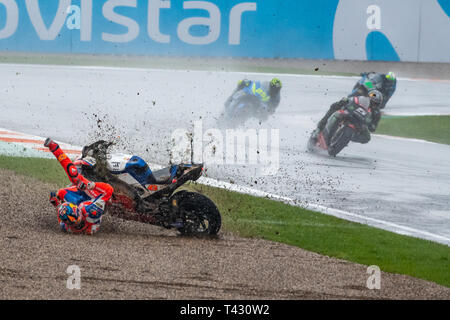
point(81, 17)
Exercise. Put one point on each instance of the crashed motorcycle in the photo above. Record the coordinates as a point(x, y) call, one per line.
point(148, 196)
point(341, 128)
point(244, 105)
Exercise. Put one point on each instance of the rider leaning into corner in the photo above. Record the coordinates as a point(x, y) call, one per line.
point(371, 103)
point(369, 82)
point(268, 91)
point(80, 207)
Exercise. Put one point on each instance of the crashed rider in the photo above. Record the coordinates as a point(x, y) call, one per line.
point(80, 207)
point(370, 104)
point(267, 91)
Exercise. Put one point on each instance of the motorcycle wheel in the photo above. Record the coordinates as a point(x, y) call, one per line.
point(340, 139)
point(199, 213)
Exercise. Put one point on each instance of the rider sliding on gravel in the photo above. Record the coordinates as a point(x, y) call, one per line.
point(80, 207)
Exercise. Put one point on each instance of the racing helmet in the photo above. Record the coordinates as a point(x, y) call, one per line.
point(68, 212)
point(391, 76)
point(376, 98)
point(275, 83)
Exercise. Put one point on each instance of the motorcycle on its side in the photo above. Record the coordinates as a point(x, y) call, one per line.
point(148, 196)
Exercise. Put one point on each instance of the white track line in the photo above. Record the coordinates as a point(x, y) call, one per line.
point(293, 75)
point(405, 139)
point(415, 114)
point(330, 211)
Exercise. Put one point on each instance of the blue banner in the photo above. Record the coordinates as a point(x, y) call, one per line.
point(319, 29)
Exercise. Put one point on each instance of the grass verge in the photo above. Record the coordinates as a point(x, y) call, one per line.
point(249, 216)
point(430, 128)
point(45, 170)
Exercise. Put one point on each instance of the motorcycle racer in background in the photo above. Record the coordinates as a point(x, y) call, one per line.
point(267, 91)
point(80, 206)
point(384, 83)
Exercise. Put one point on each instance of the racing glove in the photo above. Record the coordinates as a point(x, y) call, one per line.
point(85, 185)
point(54, 199)
point(340, 104)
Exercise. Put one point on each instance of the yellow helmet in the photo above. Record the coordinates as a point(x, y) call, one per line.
point(391, 76)
point(276, 83)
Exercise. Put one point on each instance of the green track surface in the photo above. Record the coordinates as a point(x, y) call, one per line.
point(430, 128)
point(253, 217)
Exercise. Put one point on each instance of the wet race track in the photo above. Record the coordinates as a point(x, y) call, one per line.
point(397, 181)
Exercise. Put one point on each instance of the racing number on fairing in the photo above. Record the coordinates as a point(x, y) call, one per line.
point(360, 113)
point(261, 93)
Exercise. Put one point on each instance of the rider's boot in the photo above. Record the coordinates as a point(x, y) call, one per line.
point(315, 134)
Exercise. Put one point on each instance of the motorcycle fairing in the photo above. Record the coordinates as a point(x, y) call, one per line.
point(255, 89)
